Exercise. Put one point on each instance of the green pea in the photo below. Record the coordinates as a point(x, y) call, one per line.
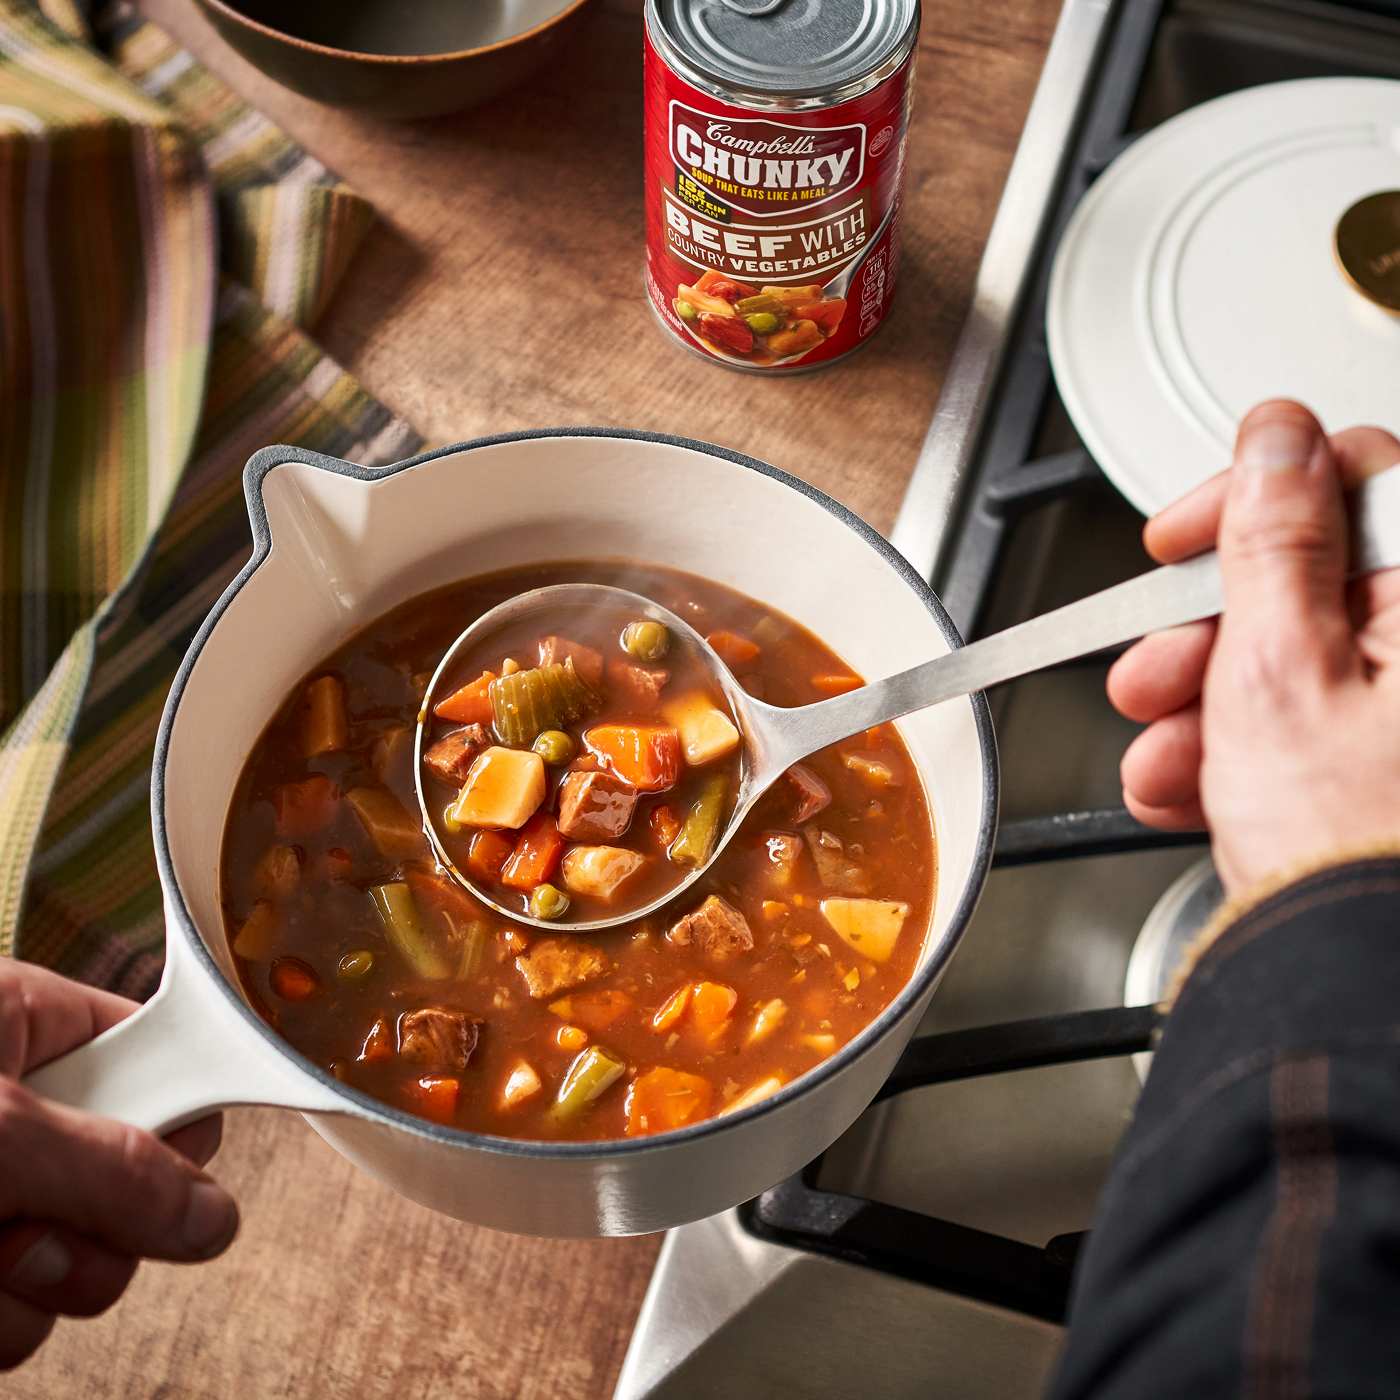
point(647, 641)
point(763, 322)
point(686, 311)
point(548, 902)
point(357, 965)
point(554, 746)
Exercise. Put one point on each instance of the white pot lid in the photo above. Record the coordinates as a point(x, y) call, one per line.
point(1198, 276)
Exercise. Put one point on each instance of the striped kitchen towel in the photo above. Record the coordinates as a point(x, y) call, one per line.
point(163, 250)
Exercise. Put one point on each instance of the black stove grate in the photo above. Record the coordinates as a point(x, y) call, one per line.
point(1157, 57)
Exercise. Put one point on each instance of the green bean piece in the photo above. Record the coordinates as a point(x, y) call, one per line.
point(763, 322)
point(548, 902)
point(356, 966)
point(554, 746)
point(399, 915)
point(686, 311)
point(474, 942)
point(764, 301)
point(592, 1073)
point(700, 830)
point(646, 640)
point(544, 697)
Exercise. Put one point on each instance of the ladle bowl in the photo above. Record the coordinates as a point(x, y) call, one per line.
point(775, 738)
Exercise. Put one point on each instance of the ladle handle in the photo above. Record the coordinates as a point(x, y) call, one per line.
point(1162, 598)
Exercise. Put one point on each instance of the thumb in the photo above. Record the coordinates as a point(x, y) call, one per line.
point(1283, 543)
point(113, 1183)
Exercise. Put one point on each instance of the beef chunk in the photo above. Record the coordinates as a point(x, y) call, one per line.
point(836, 869)
point(716, 928)
point(638, 686)
point(587, 662)
point(438, 1038)
point(452, 756)
point(556, 964)
point(810, 794)
point(595, 806)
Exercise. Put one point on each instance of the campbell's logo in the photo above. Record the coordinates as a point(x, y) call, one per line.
point(763, 167)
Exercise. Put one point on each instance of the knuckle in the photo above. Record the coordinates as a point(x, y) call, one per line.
point(1292, 537)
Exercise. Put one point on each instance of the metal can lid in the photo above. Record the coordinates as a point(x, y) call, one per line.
point(792, 48)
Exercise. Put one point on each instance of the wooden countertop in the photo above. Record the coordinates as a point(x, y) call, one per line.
point(504, 290)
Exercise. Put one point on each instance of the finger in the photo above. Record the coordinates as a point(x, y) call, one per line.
point(1188, 817)
point(108, 1181)
point(1374, 600)
point(60, 1272)
point(1162, 766)
point(1363, 452)
point(43, 1015)
point(1283, 550)
point(23, 1330)
point(1188, 526)
point(1161, 673)
point(198, 1142)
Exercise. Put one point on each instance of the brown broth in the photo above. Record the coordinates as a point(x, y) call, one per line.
point(830, 992)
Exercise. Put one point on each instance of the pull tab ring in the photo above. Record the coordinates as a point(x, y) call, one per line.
point(751, 11)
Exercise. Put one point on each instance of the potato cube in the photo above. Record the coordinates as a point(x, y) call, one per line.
point(599, 871)
point(522, 1083)
point(706, 733)
point(870, 926)
point(503, 789)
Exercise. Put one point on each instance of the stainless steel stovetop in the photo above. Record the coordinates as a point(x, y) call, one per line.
point(1009, 517)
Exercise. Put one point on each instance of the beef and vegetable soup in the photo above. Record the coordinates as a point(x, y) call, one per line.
point(618, 723)
point(375, 964)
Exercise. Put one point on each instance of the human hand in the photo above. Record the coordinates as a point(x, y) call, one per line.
point(1277, 727)
point(83, 1199)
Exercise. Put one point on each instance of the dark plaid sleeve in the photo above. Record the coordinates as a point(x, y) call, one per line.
point(1248, 1241)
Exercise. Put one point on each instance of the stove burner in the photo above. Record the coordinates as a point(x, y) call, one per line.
point(1168, 931)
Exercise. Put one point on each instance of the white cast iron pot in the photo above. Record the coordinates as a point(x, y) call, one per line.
point(335, 545)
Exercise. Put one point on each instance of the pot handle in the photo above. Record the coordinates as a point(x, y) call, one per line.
point(184, 1054)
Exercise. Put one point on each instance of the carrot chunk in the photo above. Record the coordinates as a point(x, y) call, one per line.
point(665, 825)
point(595, 1011)
point(379, 1043)
point(487, 855)
point(711, 1006)
point(294, 980)
point(836, 685)
point(732, 649)
point(826, 314)
point(648, 756)
point(536, 854)
point(672, 1009)
point(306, 807)
point(434, 1096)
point(663, 1099)
point(469, 705)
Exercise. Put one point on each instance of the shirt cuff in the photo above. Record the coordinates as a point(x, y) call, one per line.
point(1313, 965)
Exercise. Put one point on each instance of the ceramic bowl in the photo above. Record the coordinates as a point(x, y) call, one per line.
point(389, 58)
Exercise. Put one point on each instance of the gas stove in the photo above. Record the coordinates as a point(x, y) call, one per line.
point(932, 1247)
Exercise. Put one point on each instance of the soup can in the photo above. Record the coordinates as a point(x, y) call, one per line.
point(774, 166)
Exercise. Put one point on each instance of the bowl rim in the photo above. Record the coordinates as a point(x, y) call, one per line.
point(363, 1105)
point(223, 7)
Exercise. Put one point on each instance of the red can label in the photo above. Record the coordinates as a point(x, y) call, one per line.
point(772, 238)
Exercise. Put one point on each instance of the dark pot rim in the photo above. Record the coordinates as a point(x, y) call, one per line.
point(389, 60)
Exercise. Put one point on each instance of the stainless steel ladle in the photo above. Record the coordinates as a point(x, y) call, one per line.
point(775, 738)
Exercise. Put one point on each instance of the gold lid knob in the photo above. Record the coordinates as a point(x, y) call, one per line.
point(1367, 242)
